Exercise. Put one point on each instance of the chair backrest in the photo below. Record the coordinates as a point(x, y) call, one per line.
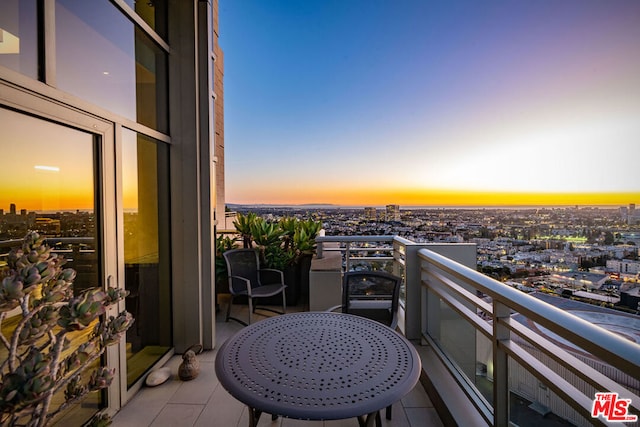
point(242, 263)
point(372, 294)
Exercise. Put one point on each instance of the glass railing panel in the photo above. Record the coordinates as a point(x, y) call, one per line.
point(548, 375)
point(457, 338)
point(531, 402)
point(483, 377)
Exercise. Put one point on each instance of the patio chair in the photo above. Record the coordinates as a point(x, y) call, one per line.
point(374, 295)
point(246, 278)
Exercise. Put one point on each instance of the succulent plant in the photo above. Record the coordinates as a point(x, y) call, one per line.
point(81, 311)
point(101, 378)
point(111, 331)
point(99, 420)
point(29, 383)
point(37, 326)
point(11, 291)
point(34, 368)
point(75, 388)
point(114, 295)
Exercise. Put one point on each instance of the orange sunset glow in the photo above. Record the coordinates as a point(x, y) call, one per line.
point(453, 103)
point(379, 197)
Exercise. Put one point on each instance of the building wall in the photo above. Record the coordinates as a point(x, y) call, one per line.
point(218, 90)
point(181, 121)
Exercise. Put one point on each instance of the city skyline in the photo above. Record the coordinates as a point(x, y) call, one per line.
point(426, 103)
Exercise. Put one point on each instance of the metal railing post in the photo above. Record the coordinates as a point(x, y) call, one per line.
point(347, 256)
point(500, 365)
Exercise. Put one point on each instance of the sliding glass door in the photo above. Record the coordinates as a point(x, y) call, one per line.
point(50, 183)
point(145, 201)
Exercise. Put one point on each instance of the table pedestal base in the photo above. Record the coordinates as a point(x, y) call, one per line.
point(370, 420)
point(254, 416)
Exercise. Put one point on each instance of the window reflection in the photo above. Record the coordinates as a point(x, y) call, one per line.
point(47, 184)
point(153, 12)
point(146, 251)
point(151, 83)
point(104, 58)
point(19, 36)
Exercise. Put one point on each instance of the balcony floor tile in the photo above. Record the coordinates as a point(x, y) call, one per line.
point(204, 402)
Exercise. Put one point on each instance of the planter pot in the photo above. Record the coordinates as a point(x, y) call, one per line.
point(292, 292)
point(296, 277)
point(304, 266)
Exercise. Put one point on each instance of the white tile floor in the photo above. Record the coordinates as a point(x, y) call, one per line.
point(204, 402)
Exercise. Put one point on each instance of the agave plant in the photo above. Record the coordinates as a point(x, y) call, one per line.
point(39, 362)
point(244, 225)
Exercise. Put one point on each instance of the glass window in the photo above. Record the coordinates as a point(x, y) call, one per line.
point(151, 83)
point(104, 58)
point(47, 184)
point(19, 36)
point(153, 12)
point(145, 187)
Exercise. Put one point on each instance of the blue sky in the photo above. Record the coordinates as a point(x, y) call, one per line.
point(358, 102)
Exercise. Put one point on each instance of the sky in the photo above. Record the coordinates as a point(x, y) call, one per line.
point(417, 102)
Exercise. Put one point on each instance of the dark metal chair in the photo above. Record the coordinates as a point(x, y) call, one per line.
point(246, 278)
point(374, 295)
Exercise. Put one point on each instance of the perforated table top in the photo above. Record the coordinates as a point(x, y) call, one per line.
point(318, 366)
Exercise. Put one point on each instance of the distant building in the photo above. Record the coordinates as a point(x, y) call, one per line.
point(392, 213)
point(632, 215)
point(575, 279)
point(12, 208)
point(370, 214)
point(48, 226)
point(624, 266)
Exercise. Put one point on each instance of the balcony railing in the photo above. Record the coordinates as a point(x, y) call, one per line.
point(499, 344)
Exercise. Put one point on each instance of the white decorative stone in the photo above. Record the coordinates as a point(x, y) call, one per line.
point(158, 376)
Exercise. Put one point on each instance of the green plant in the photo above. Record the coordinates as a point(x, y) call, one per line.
point(40, 361)
point(268, 238)
point(223, 244)
point(244, 225)
point(280, 243)
point(304, 238)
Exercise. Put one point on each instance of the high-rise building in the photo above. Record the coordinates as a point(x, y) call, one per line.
point(370, 214)
point(131, 93)
point(624, 213)
point(392, 213)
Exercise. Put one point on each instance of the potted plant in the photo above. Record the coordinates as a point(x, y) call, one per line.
point(287, 245)
point(37, 290)
point(223, 244)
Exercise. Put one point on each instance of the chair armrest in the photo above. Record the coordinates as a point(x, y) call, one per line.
point(277, 276)
point(247, 283)
point(334, 308)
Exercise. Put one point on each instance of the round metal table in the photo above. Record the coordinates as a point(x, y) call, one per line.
point(317, 366)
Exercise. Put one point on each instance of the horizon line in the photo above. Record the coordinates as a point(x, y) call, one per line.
point(450, 206)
